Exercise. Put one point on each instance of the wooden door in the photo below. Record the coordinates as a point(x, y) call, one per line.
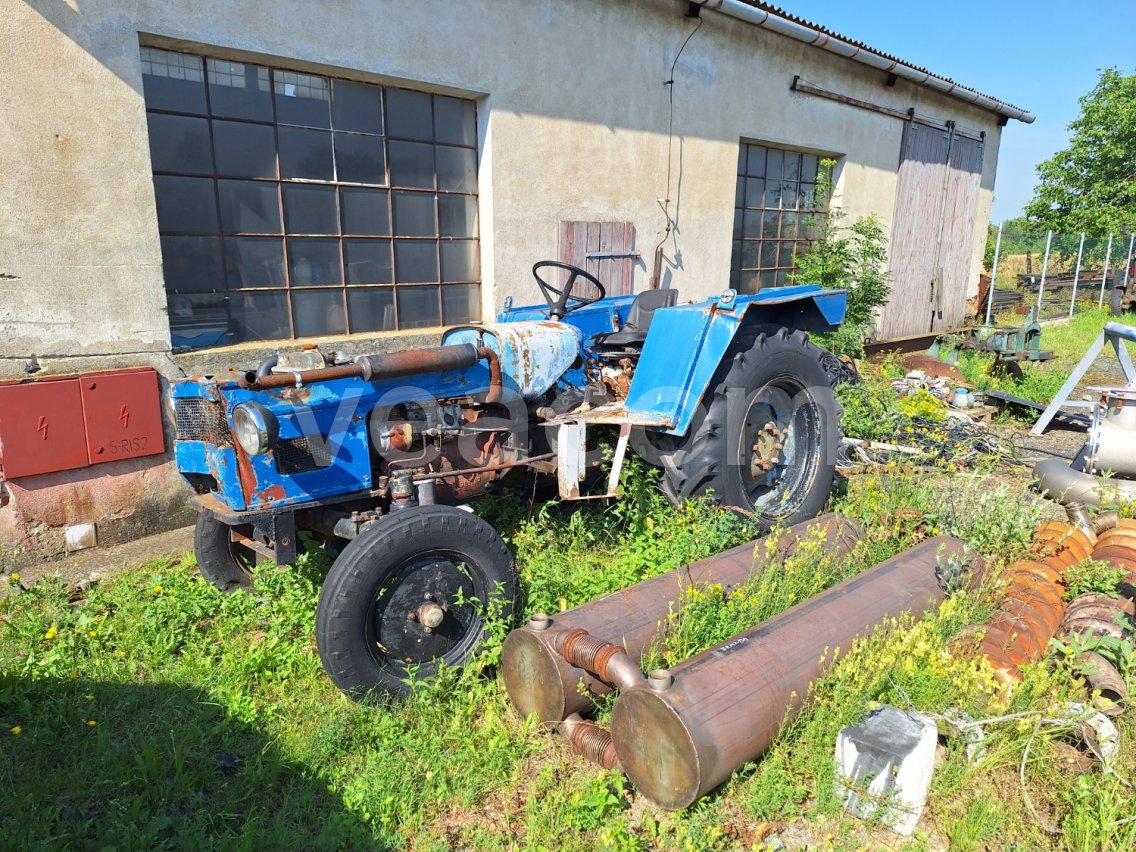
point(933, 231)
point(605, 249)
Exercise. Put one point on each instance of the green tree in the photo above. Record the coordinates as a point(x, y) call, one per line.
point(1091, 185)
point(847, 257)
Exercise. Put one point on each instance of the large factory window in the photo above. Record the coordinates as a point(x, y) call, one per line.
point(298, 205)
point(776, 214)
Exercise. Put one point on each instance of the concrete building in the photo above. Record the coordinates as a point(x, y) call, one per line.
point(188, 183)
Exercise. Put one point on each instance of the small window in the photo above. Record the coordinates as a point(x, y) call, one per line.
point(776, 215)
point(292, 204)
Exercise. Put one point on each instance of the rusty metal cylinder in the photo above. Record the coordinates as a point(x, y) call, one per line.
point(679, 739)
point(540, 681)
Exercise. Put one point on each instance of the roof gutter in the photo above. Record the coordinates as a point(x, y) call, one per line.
point(783, 26)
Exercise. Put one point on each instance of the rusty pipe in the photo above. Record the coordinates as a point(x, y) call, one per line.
point(540, 681)
point(389, 365)
point(590, 741)
point(604, 660)
point(679, 740)
point(1102, 676)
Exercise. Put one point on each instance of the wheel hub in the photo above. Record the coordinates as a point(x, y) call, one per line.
point(766, 451)
point(417, 617)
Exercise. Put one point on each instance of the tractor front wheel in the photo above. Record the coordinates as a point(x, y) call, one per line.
point(222, 561)
point(766, 437)
point(412, 591)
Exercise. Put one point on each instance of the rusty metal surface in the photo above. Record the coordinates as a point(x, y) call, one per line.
point(540, 681)
point(590, 741)
point(389, 365)
point(726, 705)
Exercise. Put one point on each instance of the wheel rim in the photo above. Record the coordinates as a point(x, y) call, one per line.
point(425, 611)
point(779, 447)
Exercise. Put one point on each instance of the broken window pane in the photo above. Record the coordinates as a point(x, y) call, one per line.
point(239, 90)
point(302, 99)
point(172, 81)
point(356, 106)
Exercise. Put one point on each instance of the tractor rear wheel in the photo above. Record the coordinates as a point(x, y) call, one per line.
point(413, 590)
point(765, 439)
point(222, 561)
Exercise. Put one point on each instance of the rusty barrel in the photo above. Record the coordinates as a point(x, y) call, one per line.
point(678, 736)
point(540, 681)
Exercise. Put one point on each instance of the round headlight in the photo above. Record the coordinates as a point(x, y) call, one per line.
point(256, 427)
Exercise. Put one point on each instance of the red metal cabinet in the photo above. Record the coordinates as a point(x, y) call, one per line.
point(122, 413)
point(41, 427)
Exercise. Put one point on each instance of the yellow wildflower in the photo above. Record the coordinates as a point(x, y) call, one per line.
point(16, 730)
point(51, 632)
point(157, 588)
point(13, 577)
point(89, 697)
point(91, 722)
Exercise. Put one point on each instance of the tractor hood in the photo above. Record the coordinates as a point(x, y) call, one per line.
point(534, 353)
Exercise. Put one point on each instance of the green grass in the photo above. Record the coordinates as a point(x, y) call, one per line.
point(1041, 381)
point(215, 726)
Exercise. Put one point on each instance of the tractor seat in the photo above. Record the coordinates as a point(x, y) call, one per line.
point(639, 317)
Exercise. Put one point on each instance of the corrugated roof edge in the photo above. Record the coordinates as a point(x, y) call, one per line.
point(777, 19)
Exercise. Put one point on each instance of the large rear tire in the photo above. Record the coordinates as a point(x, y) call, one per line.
point(766, 437)
point(411, 591)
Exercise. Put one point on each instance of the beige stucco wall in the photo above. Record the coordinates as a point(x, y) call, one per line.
point(573, 115)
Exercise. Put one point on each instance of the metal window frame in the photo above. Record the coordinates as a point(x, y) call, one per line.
point(288, 288)
point(739, 269)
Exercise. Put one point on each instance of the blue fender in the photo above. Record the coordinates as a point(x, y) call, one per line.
point(686, 344)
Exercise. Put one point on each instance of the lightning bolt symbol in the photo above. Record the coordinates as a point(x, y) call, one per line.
point(124, 416)
point(42, 426)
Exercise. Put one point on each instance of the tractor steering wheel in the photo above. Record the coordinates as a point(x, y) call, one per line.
point(561, 301)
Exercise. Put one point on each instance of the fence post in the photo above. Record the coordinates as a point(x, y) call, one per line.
point(1044, 270)
point(1077, 274)
point(1127, 264)
point(994, 273)
point(1104, 275)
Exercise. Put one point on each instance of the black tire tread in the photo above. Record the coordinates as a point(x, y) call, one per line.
point(212, 545)
point(341, 649)
point(697, 465)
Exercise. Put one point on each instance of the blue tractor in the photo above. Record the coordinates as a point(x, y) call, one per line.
point(383, 451)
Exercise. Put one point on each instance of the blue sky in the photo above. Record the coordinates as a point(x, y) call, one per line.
point(1039, 55)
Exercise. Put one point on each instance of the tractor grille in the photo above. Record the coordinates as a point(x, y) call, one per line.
point(299, 455)
point(199, 419)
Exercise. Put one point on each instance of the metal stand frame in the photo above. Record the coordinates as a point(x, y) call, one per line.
point(1114, 333)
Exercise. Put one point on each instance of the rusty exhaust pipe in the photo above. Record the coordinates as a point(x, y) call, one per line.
point(683, 733)
point(539, 678)
point(390, 365)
